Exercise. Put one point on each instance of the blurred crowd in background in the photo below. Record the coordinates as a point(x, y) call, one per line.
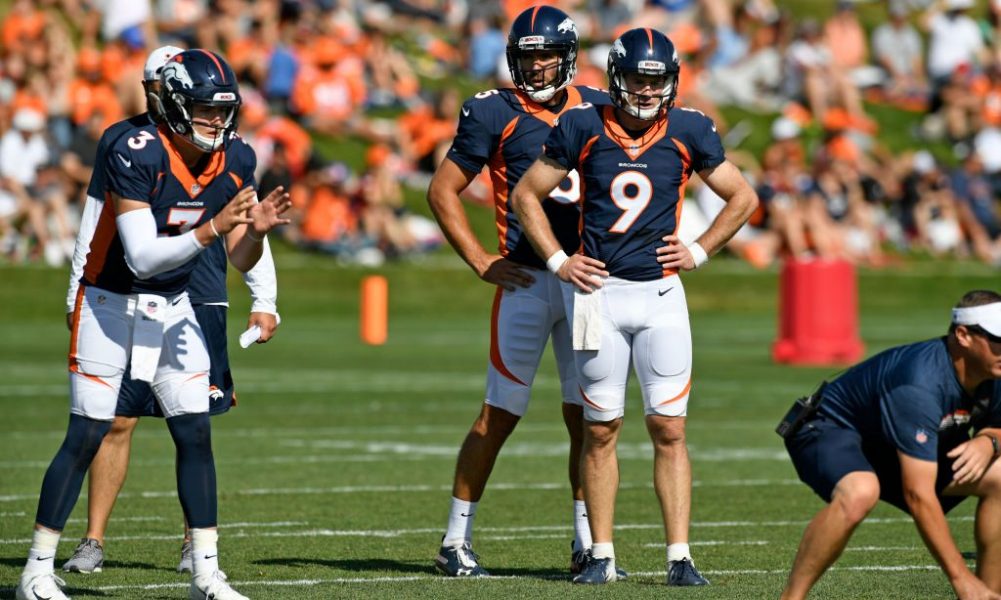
point(386, 79)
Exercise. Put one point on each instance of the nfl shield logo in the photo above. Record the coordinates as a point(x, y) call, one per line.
point(921, 437)
point(150, 307)
point(195, 188)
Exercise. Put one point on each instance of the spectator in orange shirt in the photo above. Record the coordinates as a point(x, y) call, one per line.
point(249, 55)
point(330, 93)
point(427, 130)
point(89, 92)
point(265, 133)
point(22, 27)
point(393, 81)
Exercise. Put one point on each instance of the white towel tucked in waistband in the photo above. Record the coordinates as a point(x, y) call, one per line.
point(147, 336)
point(587, 319)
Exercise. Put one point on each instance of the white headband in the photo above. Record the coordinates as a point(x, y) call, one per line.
point(986, 316)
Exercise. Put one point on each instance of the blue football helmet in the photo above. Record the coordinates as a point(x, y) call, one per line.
point(645, 52)
point(198, 78)
point(542, 28)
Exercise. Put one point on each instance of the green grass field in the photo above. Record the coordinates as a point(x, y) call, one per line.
point(335, 470)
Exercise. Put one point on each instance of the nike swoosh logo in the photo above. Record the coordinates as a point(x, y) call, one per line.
point(466, 515)
point(662, 292)
point(212, 556)
point(465, 111)
point(127, 163)
point(37, 597)
point(43, 557)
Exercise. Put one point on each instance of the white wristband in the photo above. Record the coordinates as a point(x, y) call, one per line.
point(556, 261)
point(699, 254)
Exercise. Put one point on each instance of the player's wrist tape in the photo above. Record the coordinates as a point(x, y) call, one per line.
point(253, 237)
point(215, 231)
point(699, 254)
point(554, 262)
point(995, 446)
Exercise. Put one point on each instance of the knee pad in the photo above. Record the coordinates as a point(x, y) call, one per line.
point(183, 393)
point(94, 389)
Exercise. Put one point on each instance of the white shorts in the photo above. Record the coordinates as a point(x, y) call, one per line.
point(647, 322)
point(101, 347)
point(520, 325)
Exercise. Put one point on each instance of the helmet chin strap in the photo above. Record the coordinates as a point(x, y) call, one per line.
point(544, 95)
point(208, 144)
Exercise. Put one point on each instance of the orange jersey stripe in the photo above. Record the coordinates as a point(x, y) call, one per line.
point(498, 177)
point(104, 233)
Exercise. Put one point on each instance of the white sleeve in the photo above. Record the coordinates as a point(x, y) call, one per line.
point(88, 225)
point(148, 255)
point(263, 283)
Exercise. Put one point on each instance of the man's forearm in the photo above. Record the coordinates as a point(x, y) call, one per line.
point(934, 529)
point(733, 216)
point(528, 206)
point(447, 209)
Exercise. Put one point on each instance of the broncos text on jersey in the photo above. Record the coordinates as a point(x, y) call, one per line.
point(143, 165)
point(505, 129)
point(634, 187)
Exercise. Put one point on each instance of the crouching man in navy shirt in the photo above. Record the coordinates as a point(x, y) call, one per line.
point(917, 426)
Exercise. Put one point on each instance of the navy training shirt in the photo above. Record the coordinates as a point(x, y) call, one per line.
point(909, 399)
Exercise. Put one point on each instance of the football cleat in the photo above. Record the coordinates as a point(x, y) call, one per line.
point(459, 561)
point(213, 587)
point(40, 587)
point(578, 559)
point(87, 558)
point(185, 565)
point(683, 573)
point(597, 571)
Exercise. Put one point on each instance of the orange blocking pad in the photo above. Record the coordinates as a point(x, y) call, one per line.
point(374, 310)
point(818, 313)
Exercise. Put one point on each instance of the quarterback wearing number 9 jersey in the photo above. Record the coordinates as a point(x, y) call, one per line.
point(503, 130)
point(622, 291)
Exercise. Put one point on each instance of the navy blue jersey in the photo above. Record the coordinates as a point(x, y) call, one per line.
point(505, 129)
point(208, 281)
point(633, 188)
point(96, 188)
point(143, 165)
point(909, 399)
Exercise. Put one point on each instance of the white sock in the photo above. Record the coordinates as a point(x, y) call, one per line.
point(460, 523)
point(204, 552)
point(42, 555)
point(581, 528)
point(678, 552)
point(605, 550)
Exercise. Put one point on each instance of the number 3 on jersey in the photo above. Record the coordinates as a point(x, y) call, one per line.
point(631, 191)
point(568, 191)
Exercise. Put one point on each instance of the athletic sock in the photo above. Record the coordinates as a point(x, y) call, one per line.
point(42, 556)
point(460, 523)
point(204, 553)
point(605, 550)
point(678, 552)
point(581, 528)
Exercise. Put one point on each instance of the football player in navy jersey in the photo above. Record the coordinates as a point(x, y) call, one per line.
point(207, 292)
point(634, 159)
point(171, 190)
point(504, 131)
point(897, 427)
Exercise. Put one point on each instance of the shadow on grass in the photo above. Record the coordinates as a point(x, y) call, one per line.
point(383, 565)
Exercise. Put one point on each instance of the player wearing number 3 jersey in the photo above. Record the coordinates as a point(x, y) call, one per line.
point(171, 190)
point(504, 131)
point(634, 159)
